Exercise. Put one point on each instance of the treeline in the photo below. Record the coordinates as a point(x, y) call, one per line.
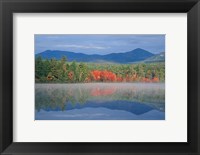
point(61, 71)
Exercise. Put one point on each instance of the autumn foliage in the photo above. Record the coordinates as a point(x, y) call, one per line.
point(103, 76)
point(108, 76)
point(61, 71)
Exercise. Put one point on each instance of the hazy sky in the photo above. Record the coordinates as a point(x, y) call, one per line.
point(99, 44)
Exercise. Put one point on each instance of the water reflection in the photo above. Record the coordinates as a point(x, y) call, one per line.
point(100, 101)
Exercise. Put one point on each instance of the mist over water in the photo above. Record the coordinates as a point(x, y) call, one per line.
point(100, 101)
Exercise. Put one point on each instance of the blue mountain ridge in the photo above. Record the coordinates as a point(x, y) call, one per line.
point(135, 55)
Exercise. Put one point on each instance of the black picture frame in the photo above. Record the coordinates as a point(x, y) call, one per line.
point(8, 7)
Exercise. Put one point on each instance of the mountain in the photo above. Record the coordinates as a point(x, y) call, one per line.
point(156, 58)
point(127, 57)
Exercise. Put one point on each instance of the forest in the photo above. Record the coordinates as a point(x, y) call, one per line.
point(62, 71)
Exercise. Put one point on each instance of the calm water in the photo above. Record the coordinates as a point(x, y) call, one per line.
point(100, 101)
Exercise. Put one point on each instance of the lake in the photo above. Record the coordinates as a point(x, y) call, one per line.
point(100, 101)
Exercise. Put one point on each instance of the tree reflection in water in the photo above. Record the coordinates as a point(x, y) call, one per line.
point(122, 96)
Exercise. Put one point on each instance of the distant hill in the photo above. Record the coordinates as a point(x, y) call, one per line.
point(156, 58)
point(127, 57)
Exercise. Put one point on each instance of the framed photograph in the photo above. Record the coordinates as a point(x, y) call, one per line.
point(104, 77)
point(99, 80)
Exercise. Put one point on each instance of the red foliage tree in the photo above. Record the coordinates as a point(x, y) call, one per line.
point(71, 75)
point(96, 75)
point(155, 79)
point(108, 76)
point(103, 75)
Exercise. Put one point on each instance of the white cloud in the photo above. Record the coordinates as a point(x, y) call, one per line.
point(83, 46)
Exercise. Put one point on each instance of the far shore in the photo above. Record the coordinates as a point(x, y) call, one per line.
point(105, 83)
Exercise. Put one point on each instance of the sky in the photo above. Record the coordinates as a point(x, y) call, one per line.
point(99, 43)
